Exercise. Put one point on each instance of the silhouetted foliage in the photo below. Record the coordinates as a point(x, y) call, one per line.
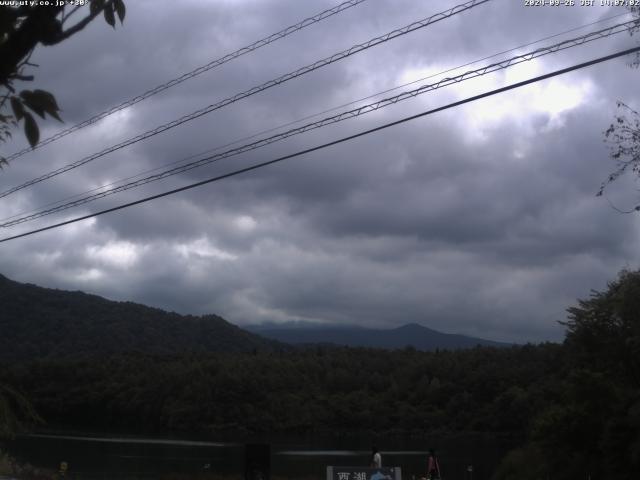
point(623, 136)
point(16, 412)
point(22, 29)
point(592, 426)
point(624, 132)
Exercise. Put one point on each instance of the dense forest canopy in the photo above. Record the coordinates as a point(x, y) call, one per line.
point(593, 426)
point(328, 389)
point(574, 408)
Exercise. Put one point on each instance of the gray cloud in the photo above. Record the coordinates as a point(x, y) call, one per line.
point(480, 220)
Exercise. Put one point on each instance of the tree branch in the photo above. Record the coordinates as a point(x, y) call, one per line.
point(40, 26)
point(82, 23)
point(22, 41)
point(68, 16)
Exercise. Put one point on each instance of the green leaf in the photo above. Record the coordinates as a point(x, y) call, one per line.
point(120, 9)
point(109, 16)
point(41, 102)
point(47, 98)
point(32, 102)
point(48, 102)
point(96, 6)
point(16, 106)
point(31, 129)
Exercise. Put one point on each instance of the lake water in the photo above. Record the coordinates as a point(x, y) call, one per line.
point(113, 457)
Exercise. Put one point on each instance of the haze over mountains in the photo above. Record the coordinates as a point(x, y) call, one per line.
point(38, 322)
point(417, 336)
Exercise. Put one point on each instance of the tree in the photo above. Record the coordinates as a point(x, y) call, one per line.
point(603, 338)
point(603, 331)
point(593, 426)
point(16, 412)
point(22, 29)
point(623, 135)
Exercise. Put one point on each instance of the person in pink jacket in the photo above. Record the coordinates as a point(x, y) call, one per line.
point(433, 467)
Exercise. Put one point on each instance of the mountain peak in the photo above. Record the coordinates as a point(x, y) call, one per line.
point(413, 327)
point(411, 334)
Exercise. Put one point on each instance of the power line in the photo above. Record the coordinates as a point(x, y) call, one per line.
point(604, 33)
point(273, 129)
point(252, 91)
point(193, 73)
point(334, 142)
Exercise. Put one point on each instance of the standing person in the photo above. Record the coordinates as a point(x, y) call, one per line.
point(433, 467)
point(376, 458)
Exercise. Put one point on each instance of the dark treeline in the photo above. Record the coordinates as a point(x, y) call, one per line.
point(573, 408)
point(336, 389)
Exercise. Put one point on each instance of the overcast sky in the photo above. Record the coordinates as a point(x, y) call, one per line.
point(479, 220)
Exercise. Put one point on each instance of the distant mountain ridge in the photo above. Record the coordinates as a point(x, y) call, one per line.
point(413, 334)
point(37, 322)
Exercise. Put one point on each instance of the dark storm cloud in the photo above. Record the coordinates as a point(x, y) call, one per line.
point(480, 220)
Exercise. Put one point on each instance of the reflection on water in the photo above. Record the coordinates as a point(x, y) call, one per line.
point(135, 457)
point(149, 441)
point(313, 453)
point(359, 453)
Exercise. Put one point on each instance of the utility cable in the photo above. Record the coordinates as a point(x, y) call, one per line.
point(334, 142)
point(193, 73)
point(252, 91)
point(308, 117)
point(604, 33)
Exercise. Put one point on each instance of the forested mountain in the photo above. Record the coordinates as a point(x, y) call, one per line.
point(573, 408)
point(337, 390)
point(38, 322)
point(417, 336)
